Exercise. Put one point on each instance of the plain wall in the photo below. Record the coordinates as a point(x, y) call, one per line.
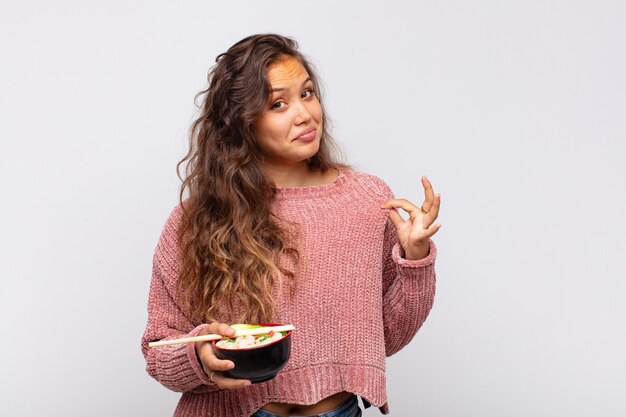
point(516, 110)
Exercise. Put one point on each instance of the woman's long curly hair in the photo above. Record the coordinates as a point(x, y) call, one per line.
point(231, 243)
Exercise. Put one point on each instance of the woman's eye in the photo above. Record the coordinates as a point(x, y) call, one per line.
point(307, 93)
point(277, 105)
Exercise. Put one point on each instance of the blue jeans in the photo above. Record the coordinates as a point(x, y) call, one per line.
point(350, 408)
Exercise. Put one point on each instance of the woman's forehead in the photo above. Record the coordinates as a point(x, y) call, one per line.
point(286, 71)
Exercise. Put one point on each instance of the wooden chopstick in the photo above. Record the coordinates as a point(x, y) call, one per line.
point(207, 337)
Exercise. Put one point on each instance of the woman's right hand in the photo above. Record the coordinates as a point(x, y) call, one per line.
point(211, 364)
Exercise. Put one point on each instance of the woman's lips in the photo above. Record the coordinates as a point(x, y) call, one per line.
point(307, 136)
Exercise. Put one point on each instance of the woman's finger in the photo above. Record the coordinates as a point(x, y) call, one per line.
point(221, 328)
point(433, 213)
point(433, 230)
point(214, 363)
point(229, 383)
point(395, 217)
point(429, 195)
point(402, 203)
point(210, 362)
point(427, 233)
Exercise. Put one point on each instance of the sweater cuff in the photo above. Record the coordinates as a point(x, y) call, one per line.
point(398, 256)
point(193, 358)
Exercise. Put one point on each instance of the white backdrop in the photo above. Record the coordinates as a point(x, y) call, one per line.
point(515, 110)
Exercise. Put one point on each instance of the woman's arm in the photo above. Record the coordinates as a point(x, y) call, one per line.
point(409, 271)
point(408, 291)
point(175, 366)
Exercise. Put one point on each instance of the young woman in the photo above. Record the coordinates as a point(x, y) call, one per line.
point(275, 229)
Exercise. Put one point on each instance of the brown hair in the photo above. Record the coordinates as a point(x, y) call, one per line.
point(231, 243)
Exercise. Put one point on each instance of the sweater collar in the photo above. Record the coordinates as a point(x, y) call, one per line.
point(314, 191)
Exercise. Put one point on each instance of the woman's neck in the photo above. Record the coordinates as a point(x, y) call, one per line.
point(299, 176)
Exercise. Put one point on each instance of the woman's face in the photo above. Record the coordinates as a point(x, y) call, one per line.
point(289, 129)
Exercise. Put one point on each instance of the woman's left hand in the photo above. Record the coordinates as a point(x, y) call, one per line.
point(413, 234)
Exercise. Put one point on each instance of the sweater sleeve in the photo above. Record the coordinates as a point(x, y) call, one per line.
point(408, 291)
point(175, 366)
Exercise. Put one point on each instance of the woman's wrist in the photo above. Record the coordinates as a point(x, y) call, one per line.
point(418, 251)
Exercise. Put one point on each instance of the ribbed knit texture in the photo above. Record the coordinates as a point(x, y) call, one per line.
point(357, 301)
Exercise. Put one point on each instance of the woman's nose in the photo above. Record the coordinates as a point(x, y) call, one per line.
point(302, 114)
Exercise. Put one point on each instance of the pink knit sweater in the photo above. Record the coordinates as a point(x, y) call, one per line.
point(357, 301)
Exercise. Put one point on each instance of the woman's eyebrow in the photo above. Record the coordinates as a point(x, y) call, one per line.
point(285, 88)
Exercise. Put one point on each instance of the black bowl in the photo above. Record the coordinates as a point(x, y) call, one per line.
point(258, 364)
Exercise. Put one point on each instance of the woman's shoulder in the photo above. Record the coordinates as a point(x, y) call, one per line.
point(369, 182)
point(167, 246)
point(172, 223)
